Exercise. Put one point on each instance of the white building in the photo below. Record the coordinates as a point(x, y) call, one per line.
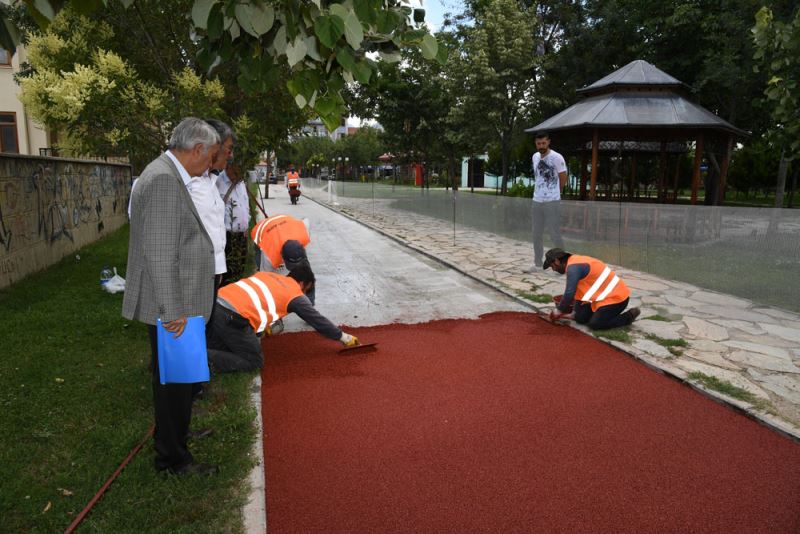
point(18, 133)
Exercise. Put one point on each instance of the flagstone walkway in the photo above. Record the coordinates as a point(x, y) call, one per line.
point(734, 340)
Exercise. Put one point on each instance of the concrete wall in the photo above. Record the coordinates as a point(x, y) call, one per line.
point(31, 136)
point(50, 207)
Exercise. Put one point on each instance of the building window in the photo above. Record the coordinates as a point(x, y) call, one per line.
point(8, 133)
point(5, 58)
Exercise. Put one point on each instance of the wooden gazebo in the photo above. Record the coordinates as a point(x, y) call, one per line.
point(640, 109)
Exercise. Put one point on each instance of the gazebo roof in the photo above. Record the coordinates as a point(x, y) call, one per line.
point(636, 110)
point(637, 73)
point(637, 96)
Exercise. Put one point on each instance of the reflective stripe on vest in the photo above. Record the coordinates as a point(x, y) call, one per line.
point(601, 286)
point(262, 298)
point(271, 234)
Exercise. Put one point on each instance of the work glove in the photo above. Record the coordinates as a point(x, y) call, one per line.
point(557, 300)
point(275, 328)
point(557, 314)
point(348, 340)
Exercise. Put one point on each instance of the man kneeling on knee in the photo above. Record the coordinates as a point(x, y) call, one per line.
point(599, 295)
point(246, 309)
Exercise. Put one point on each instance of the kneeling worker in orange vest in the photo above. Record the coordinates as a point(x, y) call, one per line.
point(599, 295)
point(282, 239)
point(244, 310)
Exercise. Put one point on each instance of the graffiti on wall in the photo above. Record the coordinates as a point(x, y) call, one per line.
point(45, 202)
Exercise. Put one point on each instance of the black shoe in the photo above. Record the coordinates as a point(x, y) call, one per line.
point(195, 468)
point(199, 434)
point(633, 313)
point(200, 391)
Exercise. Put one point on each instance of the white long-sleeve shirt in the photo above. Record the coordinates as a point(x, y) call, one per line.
point(237, 208)
point(204, 193)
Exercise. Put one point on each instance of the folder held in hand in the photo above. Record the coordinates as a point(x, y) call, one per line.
point(183, 360)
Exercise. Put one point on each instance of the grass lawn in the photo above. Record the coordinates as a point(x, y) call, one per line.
point(75, 396)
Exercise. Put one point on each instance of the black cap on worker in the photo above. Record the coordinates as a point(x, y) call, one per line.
point(552, 255)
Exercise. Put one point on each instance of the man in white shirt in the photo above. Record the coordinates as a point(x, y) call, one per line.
point(233, 192)
point(550, 174)
point(209, 205)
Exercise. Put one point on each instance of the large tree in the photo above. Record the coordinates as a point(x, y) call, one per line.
point(778, 52)
point(324, 44)
point(495, 71)
point(99, 102)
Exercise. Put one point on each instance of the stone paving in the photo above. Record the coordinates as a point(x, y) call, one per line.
point(683, 329)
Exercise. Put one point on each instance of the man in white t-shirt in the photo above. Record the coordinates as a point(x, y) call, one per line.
point(550, 174)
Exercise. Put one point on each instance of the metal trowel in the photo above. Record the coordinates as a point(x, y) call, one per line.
point(359, 349)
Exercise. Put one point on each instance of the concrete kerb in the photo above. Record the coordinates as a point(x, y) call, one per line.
point(254, 512)
point(774, 423)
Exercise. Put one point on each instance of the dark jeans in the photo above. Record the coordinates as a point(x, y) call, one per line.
point(173, 411)
point(545, 215)
point(232, 343)
point(605, 317)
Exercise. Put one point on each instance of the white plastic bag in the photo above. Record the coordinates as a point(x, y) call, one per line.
point(116, 284)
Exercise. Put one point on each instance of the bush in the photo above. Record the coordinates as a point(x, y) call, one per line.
point(519, 189)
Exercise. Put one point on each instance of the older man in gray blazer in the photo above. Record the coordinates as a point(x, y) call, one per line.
point(170, 274)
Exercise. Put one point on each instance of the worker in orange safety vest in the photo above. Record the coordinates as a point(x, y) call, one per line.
point(599, 295)
point(282, 239)
point(292, 178)
point(248, 308)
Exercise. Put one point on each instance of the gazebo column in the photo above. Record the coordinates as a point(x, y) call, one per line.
point(698, 157)
point(676, 179)
point(662, 170)
point(723, 171)
point(593, 186)
point(584, 177)
point(633, 176)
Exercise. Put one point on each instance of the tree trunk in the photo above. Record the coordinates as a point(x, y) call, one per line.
point(506, 151)
point(783, 168)
point(793, 183)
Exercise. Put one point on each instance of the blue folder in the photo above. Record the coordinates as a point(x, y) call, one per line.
point(183, 360)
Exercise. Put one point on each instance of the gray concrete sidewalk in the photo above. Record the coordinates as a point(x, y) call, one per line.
point(752, 347)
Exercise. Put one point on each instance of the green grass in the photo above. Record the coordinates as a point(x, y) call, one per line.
point(726, 388)
point(658, 317)
point(615, 334)
point(672, 345)
point(536, 297)
point(76, 397)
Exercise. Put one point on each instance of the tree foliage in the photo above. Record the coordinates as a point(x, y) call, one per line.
point(130, 110)
point(98, 101)
point(778, 56)
point(495, 71)
point(324, 44)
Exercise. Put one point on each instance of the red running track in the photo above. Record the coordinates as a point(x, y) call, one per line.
point(507, 424)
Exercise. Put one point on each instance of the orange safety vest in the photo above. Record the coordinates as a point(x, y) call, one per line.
point(262, 298)
point(270, 235)
point(601, 286)
point(293, 179)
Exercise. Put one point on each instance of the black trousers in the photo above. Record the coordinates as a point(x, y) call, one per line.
point(173, 413)
point(605, 317)
point(232, 343)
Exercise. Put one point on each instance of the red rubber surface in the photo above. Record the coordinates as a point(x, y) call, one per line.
point(507, 424)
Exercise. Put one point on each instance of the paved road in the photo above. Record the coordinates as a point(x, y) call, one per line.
point(367, 279)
